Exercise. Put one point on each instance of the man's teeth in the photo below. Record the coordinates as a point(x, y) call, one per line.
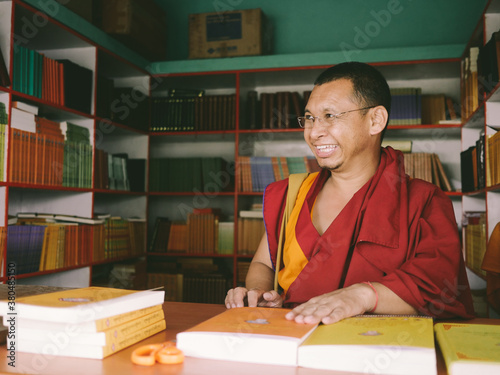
point(326, 147)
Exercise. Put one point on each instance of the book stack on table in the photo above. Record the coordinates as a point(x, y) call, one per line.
point(92, 322)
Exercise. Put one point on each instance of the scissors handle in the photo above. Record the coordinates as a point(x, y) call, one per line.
point(166, 353)
point(145, 355)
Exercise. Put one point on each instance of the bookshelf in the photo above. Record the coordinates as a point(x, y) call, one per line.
point(481, 99)
point(111, 120)
point(125, 128)
point(434, 76)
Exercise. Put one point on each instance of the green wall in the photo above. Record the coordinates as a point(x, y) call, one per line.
point(302, 26)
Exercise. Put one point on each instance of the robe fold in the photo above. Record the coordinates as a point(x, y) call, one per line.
point(397, 231)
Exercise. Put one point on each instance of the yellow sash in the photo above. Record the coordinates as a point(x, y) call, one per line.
point(294, 259)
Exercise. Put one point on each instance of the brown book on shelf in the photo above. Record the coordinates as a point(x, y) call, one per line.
point(286, 109)
point(271, 110)
point(264, 105)
point(297, 109)
point(443, 179)
point(4, 73)
point(433, 109)
point(278, 110)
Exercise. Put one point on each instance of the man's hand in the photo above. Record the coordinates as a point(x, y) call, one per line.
point(255, 297)
point(334, 306)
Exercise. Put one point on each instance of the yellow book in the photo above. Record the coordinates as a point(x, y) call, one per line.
point(74, 335)
point(81, 305)
point(88, 327)
point(60, 345)
point(246, 334)
point(469, 348)
point(372, 344)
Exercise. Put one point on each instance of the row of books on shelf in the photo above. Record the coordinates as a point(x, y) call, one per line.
point(428, 167)
point(199, 288)
point(204, 233)
point(207, 174)
point(191, 280)
point(480, 163)
point(193, 111)
point(53, 80)
point(410, 107)
point(119, 172)
point(201, 233)
point(274, 110)
point(48, 152)
point(256, 172)
point(107, 320)
point(43, 242)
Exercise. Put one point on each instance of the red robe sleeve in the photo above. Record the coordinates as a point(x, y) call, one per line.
point(433, 277)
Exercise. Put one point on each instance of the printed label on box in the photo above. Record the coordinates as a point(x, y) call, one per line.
point(223, 27)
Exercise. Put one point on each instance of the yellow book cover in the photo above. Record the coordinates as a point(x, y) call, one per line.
point(74, 335)
point(60, 345)
point(91, 326)
point(247, 334)
point(81, 305)
point(374, 344)
point(469, 348)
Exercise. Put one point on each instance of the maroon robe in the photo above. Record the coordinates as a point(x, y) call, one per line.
point(397, 231)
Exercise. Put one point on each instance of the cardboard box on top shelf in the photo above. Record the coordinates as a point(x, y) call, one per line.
point(227, 34)
point(139, 24)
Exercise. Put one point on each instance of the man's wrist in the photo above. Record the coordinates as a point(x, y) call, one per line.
point(375, 293)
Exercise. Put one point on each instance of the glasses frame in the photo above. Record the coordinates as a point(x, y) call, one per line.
point(335, 116)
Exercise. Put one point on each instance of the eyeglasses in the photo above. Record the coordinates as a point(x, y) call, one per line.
point(328, 119)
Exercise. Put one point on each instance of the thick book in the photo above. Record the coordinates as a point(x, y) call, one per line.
point(469, 348)
point(106, 337)
point(82, 305)
point(91, 351)
point(93, 326)
point(246, 334)
point(373, 344)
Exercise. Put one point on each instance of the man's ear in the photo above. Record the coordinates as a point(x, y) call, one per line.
point(379, 118)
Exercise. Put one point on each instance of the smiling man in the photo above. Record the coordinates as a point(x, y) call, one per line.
point(362, 236)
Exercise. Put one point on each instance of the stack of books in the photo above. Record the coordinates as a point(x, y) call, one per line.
point(91, 322)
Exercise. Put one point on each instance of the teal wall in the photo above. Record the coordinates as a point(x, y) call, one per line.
point(302, 26)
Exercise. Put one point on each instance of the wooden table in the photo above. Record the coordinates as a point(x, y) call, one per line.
point(179, 317)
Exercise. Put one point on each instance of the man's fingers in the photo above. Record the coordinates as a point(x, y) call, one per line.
point(235, 297)
point(253, 297)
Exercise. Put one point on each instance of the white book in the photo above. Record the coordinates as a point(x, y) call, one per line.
point(252, 214)
point(22, 120)
point(25, 107)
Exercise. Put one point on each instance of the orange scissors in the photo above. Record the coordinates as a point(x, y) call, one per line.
point(148, 355)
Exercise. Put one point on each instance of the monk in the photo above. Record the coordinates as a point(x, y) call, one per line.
point(362, 237)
